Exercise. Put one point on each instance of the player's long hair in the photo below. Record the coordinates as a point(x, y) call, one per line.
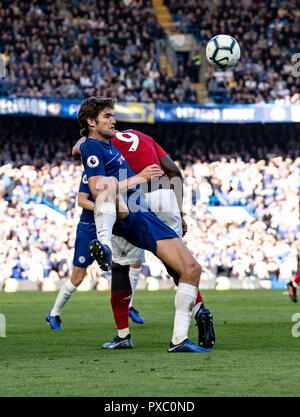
point(90, 108)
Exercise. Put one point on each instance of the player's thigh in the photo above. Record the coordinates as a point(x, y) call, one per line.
point(84, 235)
point(174, 253)
point(124, 253)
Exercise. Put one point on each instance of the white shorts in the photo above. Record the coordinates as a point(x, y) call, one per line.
point(164, 204)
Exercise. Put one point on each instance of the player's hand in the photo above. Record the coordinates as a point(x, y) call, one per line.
point(184, 226)
point(151, 171)
point(76, 147)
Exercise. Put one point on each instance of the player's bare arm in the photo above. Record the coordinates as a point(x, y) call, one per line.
point(84, 202)
point(149, 172)
point(76, 147)
point(172, 171)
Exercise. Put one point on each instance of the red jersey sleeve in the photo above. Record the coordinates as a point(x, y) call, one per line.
point(159, 150)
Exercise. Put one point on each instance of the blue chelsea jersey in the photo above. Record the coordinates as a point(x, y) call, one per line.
point(101, 158)
point(87, 216)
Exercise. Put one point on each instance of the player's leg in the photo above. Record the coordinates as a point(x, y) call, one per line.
point(134, 276)
point(82, 259)
point(124, 253)
point(147, 231)
point(173, 252)
point(292, 287)
point(65, 293)
point(164, 204)
point(120, 299)
point(109, 205)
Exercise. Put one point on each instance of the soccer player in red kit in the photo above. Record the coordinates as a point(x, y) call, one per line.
point(140, 151)
point(292, 287)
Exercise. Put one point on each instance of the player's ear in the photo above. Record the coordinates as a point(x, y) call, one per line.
point(91, 122)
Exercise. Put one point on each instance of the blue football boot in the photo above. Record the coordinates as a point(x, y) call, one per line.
point(134, 315)
point(54, 321)
point(206, 331)
point(101, 253)
point(119, 343)
point(186, 346)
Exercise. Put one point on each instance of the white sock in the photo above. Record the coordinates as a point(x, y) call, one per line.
point(105, 217)
point(66, 291)
point(123, 332)
point(134, 276)
point(185, 298)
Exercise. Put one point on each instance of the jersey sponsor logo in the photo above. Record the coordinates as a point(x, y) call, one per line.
point(85, 179)
point(81, 259)
point(93, 161)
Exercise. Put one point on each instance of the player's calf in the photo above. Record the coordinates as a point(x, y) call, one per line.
point(292, 291)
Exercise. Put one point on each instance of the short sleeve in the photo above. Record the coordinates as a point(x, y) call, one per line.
point(92, 157)
point(159, 150)
point(84, 184)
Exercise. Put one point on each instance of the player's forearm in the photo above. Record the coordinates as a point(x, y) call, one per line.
point(151, 171)
point(86, 204)
point(174, 174)
point(131, 182)
point(177, 185)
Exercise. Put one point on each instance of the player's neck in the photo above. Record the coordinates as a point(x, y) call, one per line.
point(97, 137)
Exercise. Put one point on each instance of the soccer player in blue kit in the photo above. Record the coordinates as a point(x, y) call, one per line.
point(85, 233)
point(121, 209)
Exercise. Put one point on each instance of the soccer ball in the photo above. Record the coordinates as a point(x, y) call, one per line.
point(222, 51)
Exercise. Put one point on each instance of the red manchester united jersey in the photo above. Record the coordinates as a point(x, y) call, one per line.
point(138, 149)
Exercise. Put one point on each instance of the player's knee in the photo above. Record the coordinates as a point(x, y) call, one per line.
point(107, 184)
point(193, 270)
point(107, 188)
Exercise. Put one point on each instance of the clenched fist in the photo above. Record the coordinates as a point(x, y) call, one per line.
point(151, 171)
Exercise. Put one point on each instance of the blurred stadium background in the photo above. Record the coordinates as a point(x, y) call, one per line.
point(234, 134)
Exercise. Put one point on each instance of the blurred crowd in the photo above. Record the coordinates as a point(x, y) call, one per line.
point(81, 48)
point(75, 48)
point(242, 208)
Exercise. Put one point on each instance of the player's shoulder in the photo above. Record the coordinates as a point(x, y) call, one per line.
point(90, 145)
point(141, 135)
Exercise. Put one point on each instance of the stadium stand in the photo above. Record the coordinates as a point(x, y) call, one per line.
point(77, 49)
point(268, 34)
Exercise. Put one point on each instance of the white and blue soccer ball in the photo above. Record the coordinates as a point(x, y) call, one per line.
point(223, 51)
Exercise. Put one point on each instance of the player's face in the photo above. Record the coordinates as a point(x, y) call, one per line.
point(105, 123)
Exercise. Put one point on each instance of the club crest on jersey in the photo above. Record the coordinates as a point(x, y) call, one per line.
point(85, 179)
point(93, 161)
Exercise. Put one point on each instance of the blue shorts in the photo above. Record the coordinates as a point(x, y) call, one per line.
point(143, 229)
point(84, 234)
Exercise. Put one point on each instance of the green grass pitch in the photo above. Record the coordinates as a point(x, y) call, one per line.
point(255, 353)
